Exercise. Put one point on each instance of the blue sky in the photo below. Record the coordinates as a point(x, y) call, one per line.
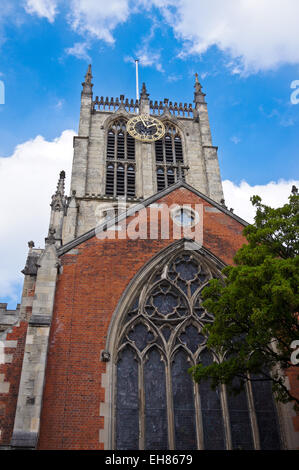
point(246, 54)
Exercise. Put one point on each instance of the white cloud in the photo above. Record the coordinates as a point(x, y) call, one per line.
point(235, 139)
point(59, 104)
point(149, 58)
point(98, 18)
point(274, 194)
point(256, 34)
point(42, 8)
point(28, 178)
point(79, 50)
point(146, 59)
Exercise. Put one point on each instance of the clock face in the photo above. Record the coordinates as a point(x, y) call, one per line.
point(145, 128)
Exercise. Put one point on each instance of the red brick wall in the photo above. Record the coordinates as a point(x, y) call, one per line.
point(87, 294)
point(12, 374)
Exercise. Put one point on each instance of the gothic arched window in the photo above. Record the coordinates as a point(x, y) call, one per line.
point(120, 166)
point(169, 157)
point(157, 405)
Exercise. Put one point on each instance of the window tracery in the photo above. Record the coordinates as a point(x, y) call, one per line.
point(169, 157)
point(120, 166)
point(160, 337)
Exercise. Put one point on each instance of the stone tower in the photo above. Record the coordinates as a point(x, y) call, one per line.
point(189, 145)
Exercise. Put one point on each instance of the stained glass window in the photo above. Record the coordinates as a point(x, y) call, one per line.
point(158, 406)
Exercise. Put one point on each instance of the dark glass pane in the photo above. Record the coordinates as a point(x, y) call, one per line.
point(166, 304)
point(110, 180)
point(178, 149)
point(141, 336)
point(170, 176)
point(160, 179)
point(212, 418)
point(266, 415)
point(159, 150)
point(191, 338)
point(120, 145)
point(110, 144)
point(127, 409)
point(240, 421)
point(131, 181)
point(183, 404)
point(156, 436)
point(166, 331)
point(168, 149)
point(130, 147)
point(187, 271)
point(120, 180)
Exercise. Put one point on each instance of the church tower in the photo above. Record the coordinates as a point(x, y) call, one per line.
point(112, 169)
point(97, 354)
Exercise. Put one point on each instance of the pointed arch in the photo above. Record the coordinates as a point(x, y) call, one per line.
point(160, 319)
point(169, 156)
point(120, 159)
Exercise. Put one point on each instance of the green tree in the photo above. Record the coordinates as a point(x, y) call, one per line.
point(256, 305)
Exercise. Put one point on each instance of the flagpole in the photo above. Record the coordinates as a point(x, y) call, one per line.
point(137, 84)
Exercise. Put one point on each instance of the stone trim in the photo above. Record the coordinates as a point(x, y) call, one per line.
point(136, 208)
point(40, 320)
point(25, 439)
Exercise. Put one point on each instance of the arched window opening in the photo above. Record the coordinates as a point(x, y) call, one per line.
point(131, 181)
point(169, 156)
point(110, 144)
point(157, 404)
point(169, 153)
point(120, 178)
point(170, 176)
point(120, 147)
point(130, 147)
point(178, 149)
point(160, 179)
point(110, 179)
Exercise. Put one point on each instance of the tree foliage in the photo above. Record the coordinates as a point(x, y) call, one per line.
point(256, 305)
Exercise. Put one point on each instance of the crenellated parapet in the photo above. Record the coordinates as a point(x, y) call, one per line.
point(8, 317)
point(112, 105)
point(157, 108)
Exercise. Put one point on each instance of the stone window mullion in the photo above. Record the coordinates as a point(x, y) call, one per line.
point(141, 404)
point(226, 419)
point(198, 416)
point(170, 414)
point(253, 418)
point(115, 179)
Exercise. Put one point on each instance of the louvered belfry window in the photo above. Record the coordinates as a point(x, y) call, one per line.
point(169, 154)
point(157, 405)
point(120, 164)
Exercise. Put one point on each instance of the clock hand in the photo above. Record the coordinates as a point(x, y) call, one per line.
point(143, 122)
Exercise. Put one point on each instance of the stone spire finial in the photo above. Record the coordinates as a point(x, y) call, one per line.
point(144, 107)
point(60, 185)
point(50, 240)
point(87, 85)
point(199, 96)
point(144, 95)
point(58, 199)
